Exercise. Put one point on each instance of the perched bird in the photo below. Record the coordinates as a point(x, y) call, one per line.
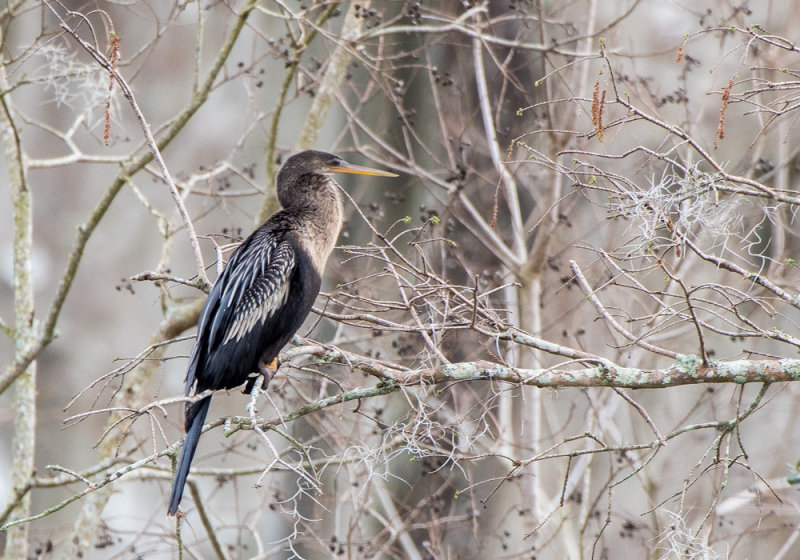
point(266, 290)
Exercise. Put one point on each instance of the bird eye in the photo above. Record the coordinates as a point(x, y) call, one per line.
point(336, 162)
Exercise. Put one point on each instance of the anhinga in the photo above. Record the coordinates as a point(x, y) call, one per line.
point(266, 290)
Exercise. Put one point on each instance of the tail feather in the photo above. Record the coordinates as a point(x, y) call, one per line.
point(195, 418)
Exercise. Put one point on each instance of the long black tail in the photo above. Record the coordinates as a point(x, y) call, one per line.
point(196, 417)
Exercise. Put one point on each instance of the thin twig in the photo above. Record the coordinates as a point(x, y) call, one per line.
point(642, 412)
point(610, 320)
point(151, 143)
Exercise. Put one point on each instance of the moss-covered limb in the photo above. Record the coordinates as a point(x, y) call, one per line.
point(24, 399)
point(739, 372)
point(381, 368)
point(686, 370)
point(236, 423)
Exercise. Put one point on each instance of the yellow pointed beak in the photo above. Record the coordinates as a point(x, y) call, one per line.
point(345, 167)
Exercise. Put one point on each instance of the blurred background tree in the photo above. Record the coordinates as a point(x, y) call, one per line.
point(596, 218)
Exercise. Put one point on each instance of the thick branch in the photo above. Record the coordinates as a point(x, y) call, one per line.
point(687, 370)
point(24, 403)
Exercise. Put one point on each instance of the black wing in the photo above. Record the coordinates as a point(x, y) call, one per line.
point(248, 298)
point(243, 318)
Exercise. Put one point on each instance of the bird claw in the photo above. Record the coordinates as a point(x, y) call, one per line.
point(251, 383)
point(265, 373)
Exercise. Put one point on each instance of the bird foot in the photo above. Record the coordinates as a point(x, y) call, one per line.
point(265, 373)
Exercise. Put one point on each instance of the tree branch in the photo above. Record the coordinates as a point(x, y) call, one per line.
point(24, 399)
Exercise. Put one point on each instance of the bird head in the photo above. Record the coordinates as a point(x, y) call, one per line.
point(323, 163)
point(294, 174)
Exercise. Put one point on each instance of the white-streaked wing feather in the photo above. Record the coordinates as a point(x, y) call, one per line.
point(257, 296)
